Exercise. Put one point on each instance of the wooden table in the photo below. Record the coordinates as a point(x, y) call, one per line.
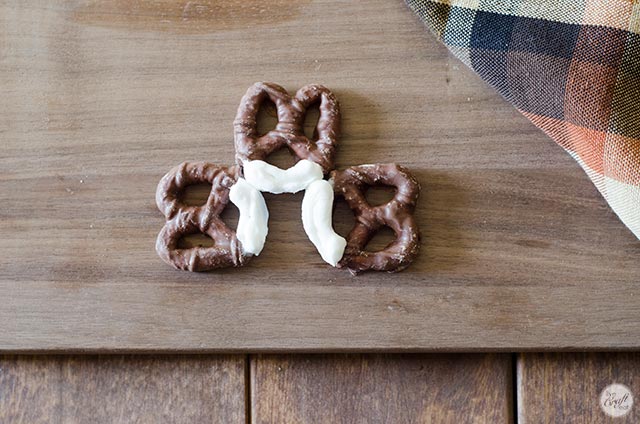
point(100, 99)
point(448, 388)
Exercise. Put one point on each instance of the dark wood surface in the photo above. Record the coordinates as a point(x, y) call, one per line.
point(122, 389)
point(373, 388)
point(435, 388)
point(566, 387)
point(100, 99)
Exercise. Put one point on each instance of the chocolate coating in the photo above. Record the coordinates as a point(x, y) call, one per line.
point(184, 219)
point(350, 183)
point(289, 132)
point(397, 214)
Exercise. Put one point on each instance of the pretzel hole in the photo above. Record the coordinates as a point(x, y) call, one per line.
point(311, 121)
point(266, 118)
point(381, 239)
point(230, 216)
point(343, 218)
point(189, 241)
point(282, 158)
point(195, 194)
point(379, 194)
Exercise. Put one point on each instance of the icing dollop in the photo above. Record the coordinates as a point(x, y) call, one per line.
point(254, 216)
point(317, 210)
point(269, 178)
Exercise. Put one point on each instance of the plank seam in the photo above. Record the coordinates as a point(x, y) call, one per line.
point(247, 389)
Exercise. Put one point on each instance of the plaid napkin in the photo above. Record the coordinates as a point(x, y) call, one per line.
point(571, 66)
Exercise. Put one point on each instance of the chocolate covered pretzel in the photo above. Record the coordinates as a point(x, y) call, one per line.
point(185, 219)
point(397, 214)
point(242, 185)
point(289, 132)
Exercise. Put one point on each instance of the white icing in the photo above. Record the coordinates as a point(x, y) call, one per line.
point(317, 209)
point(317, 204)
point(269, 178)
point(254, 216)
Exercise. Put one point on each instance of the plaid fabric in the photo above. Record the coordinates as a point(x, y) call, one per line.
point(571, 66)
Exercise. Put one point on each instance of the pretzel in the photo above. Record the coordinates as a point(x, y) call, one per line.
point(397, 214)
point(242, 185)
point(185, 219)
point(289, 132)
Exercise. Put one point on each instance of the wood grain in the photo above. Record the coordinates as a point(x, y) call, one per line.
point(122, 389)
point(566, 387)
point(100, 99)
point(381, 389)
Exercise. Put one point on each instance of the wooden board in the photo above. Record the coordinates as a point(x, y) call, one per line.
point(122, 389)
point(381, 388)
point(567, 387)
point(100, 99)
